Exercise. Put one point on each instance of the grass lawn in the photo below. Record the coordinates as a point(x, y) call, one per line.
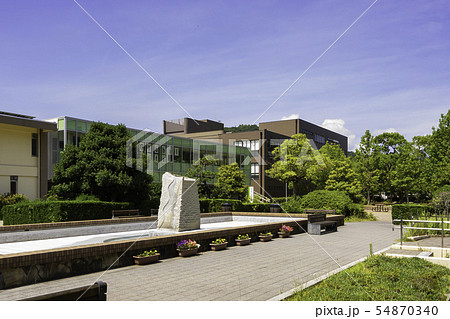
point(353, 219)
point(383, 278)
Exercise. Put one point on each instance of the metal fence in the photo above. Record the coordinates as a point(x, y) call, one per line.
point(442, 222)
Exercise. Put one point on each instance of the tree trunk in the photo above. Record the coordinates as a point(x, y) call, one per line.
point(294, 189)
point(368, 196)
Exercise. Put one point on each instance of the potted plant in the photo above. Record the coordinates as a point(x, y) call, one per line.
point(147, 257)
point(219, 244)
point(187, 248)
point(285, 231)
point(265, 236)
point(243, 240)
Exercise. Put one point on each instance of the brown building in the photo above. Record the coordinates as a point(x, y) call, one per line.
point(194, 129)
point(261, 143)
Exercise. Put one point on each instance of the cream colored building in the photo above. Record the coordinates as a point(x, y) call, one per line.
point(24, 155)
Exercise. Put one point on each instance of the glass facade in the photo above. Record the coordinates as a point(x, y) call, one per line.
point(161, 153)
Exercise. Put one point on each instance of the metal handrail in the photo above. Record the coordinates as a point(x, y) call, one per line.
point(442, 229)
point(421, 221)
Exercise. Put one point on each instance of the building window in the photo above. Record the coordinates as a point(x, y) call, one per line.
point(254, 170)
point(332, 141)
point(245, 143)
point(254, 145)
point(319, 139)
point(55, 150)
point(34, 144)
point(13, 184)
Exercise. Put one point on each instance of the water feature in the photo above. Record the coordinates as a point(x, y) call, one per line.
point(150, 230)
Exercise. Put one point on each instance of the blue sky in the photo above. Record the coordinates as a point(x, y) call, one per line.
point(229, 60)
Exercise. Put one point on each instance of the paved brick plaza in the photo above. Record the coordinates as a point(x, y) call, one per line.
point(259, 271)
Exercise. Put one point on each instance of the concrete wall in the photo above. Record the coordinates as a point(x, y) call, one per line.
point(16, 160)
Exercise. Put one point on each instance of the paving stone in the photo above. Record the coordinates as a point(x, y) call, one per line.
point(259, 271)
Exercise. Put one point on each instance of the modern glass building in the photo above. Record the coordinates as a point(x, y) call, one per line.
point(163, 153)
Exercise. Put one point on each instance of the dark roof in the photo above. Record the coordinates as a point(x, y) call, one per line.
point(17, 115)
point(26, 122)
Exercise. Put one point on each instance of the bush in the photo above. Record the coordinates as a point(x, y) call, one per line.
point(10, 199)
point(58, 211)
point(293, 205)
point(407, 211)
point(279, 200)
point(255, 207)
point(322, 199)
point(215, 205)
point(84, 197)
point(356, 210)
point(145, 207)
point(211, 205)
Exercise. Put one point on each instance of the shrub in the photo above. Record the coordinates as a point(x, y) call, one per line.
point(10, 199)
point(208, 205)
point(356, 210)
point(215, 205)
point(279, 200)
point(407, 211)
point(255, 207)
point(322, 199)
point(58, 211)
point(293, 205)
point(85, 197)
point(146, 206)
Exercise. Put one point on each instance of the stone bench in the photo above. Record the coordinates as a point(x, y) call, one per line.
point(125, 213)
point(318, 221)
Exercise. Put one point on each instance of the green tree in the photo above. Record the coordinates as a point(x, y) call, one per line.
point(293, 159)
point(98, 167)
point(366, 164)
point(242, 128)
point(230, 181)
point(342, 177)
point(332, 156)
point(425, 168)
point(389, 145)
point(202, 172)
point(407, 170)
point(439, 151)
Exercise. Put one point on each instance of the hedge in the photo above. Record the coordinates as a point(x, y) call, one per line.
point(146, 206)
point(58, 211)
point(215, 205)
point(208, 205)
point(322, 199)
point(10, 200)
point(407, 211)
point(293, 205)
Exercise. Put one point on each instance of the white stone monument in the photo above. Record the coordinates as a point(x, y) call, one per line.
point(179, 207)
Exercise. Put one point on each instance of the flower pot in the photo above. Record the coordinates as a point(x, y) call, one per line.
point(218, 246)
point(146, 260)
point(187, 252)
point(284, 234)
point(243, 242)
point(265, 238)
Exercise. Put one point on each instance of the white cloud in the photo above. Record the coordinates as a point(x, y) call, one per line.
point(386, 130)
point(293, 116)
point(337, 125)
